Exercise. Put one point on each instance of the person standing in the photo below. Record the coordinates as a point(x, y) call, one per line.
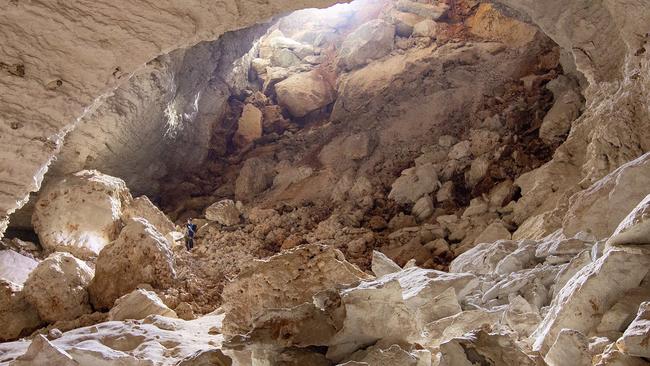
point(189, 237)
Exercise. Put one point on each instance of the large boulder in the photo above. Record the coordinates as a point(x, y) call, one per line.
point(139, 304)
point(600, 208)
point(224, 212)
point(370, 41)
point(17, 316)
point(305, 92)
point(140, 255)
point(15, 267)
point(57, 287)
point(285, 280)
point(81, 213)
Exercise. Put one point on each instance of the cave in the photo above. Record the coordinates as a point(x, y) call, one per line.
point(373, 182)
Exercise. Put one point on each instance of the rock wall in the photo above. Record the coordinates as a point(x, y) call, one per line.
point(58, 59)
point(609, 48)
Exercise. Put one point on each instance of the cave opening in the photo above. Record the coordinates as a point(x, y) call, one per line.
point(368, 144)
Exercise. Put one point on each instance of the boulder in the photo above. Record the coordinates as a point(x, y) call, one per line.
point(460, 150)
point(432, 11)
point(580, 304)
point(414, 183)
point(143, 207)
point(57, 288)
point(17, 316)
point(141, 255)
point(404, 22)
point(15, 267)
point(425, 28)
point(249, 126)
point(139, 304)
point(477, 171)
point(255, 176)
point(600, 208)
point(305, 92)
point(634, 341)
point(224, 212)
point(81, 213)
point(284, 280)
point(372, 40)
point(635, 227)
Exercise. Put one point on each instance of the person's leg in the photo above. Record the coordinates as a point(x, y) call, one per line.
point(187, 243)
point(191, 243)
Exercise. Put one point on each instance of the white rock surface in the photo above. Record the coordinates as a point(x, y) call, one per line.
point(156, 340)
point(590, 292)
point(600, 208)
point(141, 255)
point(15, 267)
point(57, 287)
point(139, 304)
point(81, 213)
